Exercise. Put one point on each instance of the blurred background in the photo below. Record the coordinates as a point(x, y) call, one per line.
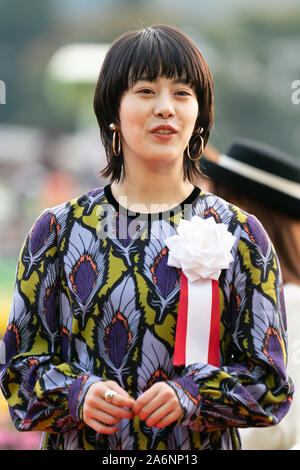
point(50, 57)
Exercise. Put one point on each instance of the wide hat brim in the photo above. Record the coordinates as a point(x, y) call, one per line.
point(259, 171)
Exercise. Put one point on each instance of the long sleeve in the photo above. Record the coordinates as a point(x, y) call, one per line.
point(251, 387)
point(87, 309)
point(44, 391)
point(287, 434)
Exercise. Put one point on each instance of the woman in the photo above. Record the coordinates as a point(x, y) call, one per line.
point(102, 349)
point(266, 182)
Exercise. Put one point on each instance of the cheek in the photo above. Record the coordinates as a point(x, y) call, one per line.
point(189, 115)
point(193, 114)
point(130, 120)
point(131, 110)
point(190, 120)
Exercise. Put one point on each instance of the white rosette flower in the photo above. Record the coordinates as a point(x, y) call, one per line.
point(201, 248)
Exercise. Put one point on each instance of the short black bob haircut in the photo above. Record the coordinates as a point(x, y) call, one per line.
point(157, 51)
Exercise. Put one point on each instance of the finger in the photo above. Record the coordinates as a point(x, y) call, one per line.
point(161, 411)
point(109, 415)
point(100, 404)
point(100, 415)
point(117, 411)
point(157, 415)
point(102, 428)
point(116, 387)
point(121, 400)
point(94, 403)
point(144, 399)
point(167, 420)
point(99, 389)
point(161, 389)
point(152, 406)
point(122, 394)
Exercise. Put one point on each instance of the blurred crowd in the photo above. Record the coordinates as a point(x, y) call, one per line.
point(39, 170)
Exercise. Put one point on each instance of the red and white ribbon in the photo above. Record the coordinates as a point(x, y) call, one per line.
point(198, 324)
point(201, 248)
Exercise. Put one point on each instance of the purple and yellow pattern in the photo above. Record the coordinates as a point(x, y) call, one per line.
point(89, 308)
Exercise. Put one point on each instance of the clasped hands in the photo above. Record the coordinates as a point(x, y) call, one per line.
point(158, 406)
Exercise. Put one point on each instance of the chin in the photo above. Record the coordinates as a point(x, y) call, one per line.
point(166, 157)
point(164, 153)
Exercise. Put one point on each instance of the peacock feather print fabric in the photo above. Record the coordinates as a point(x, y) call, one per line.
point(95, 299)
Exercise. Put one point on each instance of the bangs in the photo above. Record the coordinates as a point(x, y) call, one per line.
point(153, 54)
point(157, 51)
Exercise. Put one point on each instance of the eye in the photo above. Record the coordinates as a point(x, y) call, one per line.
point(145, 91)
point(183, 93)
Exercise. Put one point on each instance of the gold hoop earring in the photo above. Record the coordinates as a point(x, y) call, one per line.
point(113, 127)
point(201, 149)
point(116, 153)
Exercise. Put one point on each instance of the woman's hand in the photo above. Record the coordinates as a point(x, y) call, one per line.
point(101, 415)
point(158, 406)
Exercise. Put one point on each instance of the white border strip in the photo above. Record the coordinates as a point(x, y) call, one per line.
point(273, 181)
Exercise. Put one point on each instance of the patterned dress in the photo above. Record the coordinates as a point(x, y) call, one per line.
point(95, 299)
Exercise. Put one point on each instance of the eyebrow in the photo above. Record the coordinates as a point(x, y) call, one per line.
point(176, 81)
point(181, 81)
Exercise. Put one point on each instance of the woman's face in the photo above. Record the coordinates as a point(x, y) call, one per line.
point(157, 119)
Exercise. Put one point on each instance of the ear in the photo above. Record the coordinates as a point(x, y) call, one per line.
point(198, 131)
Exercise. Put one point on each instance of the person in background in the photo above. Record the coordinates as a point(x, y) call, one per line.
point(266, 182)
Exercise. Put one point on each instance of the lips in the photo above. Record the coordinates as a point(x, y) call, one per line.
point(164, 129)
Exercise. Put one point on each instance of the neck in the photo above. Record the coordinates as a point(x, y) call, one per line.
point(151, 190)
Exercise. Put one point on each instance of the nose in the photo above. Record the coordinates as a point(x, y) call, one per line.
point(164, 107)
